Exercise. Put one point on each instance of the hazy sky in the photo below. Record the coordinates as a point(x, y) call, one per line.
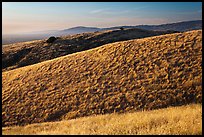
point(19, 17)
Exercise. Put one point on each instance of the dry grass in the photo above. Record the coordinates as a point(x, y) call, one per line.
point(127, 76)
point(183, 120)
point(27, 53)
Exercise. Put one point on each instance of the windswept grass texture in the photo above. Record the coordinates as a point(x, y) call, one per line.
point(183, 120)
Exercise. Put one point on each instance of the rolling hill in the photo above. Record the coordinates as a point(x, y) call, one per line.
point(128, 76)
point(27, 53)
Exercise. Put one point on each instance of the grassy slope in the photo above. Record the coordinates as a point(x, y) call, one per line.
point(148, 73)
point(27, 53)
point(183, 120)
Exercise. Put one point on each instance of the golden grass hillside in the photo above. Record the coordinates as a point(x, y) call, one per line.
point(27, 53)
point(142, 74)
point(182, 120)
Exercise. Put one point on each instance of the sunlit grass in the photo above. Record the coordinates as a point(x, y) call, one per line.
point(183, 120)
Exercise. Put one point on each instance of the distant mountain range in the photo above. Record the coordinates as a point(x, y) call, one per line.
point(79, 29)
point(179, 26)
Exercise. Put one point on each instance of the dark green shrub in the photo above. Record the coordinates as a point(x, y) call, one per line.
point(51, 39)
point(121, 28)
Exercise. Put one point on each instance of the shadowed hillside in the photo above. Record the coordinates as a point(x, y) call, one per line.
point(126, 76)
point(27, 53)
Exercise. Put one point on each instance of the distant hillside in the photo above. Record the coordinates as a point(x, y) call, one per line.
point(127, 76)
point(14, 38)
point(179, 26)
point(27, 53)
point(76, 30)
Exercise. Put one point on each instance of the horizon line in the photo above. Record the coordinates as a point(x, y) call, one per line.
point(54, 30)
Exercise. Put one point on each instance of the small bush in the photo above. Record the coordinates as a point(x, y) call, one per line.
point(51, 39)
point(121, 28)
